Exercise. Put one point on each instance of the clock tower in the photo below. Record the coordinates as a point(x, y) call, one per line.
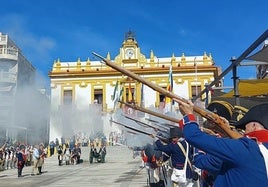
point(129, 48)
point(130, 54)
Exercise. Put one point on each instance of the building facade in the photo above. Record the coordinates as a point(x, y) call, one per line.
point(20, 119)
point(82, 92)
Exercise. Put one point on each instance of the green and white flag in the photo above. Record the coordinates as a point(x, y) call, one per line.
point(118, 92)
point(115, 91)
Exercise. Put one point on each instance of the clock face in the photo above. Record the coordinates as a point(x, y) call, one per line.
point(129, 53)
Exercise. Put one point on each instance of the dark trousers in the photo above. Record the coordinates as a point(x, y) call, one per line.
point(19, 172)
point(51, 151)
point(20, 167)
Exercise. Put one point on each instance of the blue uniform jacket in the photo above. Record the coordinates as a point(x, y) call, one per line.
point(208, 162)
point(242, 161)
point(177, 157)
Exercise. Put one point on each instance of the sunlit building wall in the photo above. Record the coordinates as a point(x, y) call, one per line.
point(82, 91)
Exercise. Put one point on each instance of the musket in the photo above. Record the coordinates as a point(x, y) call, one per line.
point(147, 125)
point(162, 124)
point(206, 130)
point(138, 130)
point(157, 114)
point(131, 132)
point(131, 128)
point(211, 116)
point(154, 121)
point(165, 125)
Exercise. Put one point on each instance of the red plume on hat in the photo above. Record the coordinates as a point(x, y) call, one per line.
point(258, 113)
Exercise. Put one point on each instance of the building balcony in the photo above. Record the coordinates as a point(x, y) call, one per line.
point(3, 39)
point(9, 53)
point(7, 77)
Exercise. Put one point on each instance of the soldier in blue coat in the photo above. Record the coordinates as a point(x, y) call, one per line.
point(237, 162)
point(177, 155)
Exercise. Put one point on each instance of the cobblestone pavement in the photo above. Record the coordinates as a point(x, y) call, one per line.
point(119, 170)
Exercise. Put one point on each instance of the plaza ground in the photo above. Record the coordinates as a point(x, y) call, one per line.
point(119, 170)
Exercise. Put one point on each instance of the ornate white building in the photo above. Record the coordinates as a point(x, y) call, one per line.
point(82, 91)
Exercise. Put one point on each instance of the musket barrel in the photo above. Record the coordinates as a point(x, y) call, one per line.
point(175, 120)
point(137, 130)
point(201, 111)
point(159, 128)
point(131, 128)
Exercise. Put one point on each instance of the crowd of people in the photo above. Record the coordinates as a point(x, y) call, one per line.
point(17, 157)
point(97, 155)
point(188, 157)
point(70, 156)
point(191, 157)
point(20, 156)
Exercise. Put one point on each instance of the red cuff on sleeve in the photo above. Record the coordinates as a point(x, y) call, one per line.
point(187, 119)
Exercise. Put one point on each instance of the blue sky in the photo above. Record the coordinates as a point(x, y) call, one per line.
point(72, 29)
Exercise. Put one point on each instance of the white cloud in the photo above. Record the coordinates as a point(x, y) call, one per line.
point(35, 48)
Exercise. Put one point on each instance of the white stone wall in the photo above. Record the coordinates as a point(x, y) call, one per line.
point(82, 96)
point(149, 96)
point(182, 89)
point(109, 93)
point(55, 124)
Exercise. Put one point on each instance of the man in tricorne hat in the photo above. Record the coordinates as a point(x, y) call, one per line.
point(177, 148)
point(21, 159)
point(238, 162)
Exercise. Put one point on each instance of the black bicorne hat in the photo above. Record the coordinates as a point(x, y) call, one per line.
point(175, 132)
point(258, 113)
point(222, 108)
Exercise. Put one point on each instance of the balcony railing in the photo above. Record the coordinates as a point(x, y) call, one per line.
point(3, 39)
point(9, 53)
point(7, 77)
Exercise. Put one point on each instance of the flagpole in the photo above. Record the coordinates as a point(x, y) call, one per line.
point(171, 84)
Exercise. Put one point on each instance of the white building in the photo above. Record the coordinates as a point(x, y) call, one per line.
point(18, 120)
point(82, 91)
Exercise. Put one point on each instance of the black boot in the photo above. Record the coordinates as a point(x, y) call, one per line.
point(39, 170)
point(19, 173)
